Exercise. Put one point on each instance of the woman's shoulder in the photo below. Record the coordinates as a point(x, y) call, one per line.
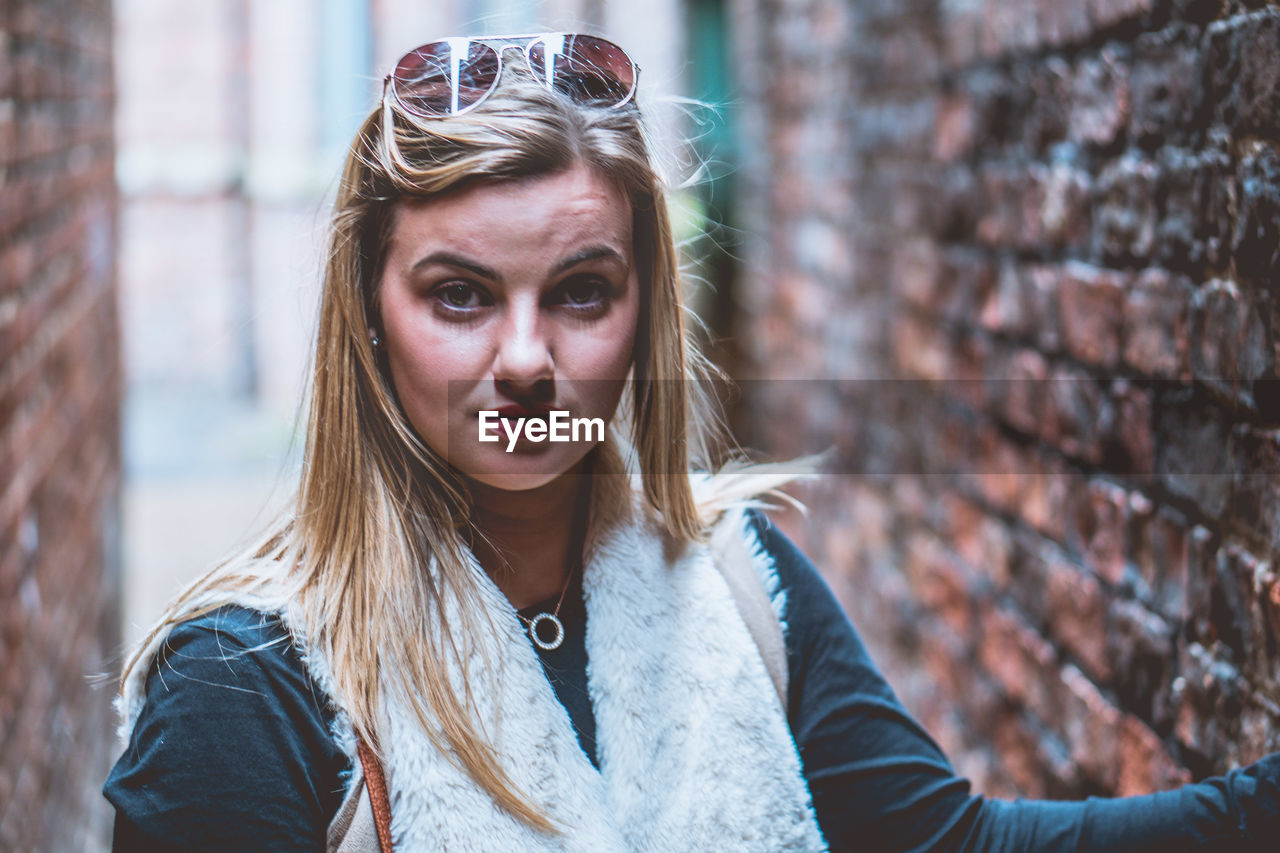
point(243, 627)
point(231, 648)
point(231, 728)
point(237, 656)
point(232, 659)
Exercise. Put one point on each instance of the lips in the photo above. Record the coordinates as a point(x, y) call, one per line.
point(514, 411)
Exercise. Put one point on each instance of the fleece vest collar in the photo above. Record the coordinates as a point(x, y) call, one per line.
point(693, 746)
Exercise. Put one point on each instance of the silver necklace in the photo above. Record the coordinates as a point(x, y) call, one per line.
point(553, 618)
point(533, 626)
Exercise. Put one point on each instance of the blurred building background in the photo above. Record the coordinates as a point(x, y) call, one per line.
point(60, 392)
point(1014, 260)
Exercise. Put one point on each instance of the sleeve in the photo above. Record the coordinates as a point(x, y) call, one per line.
point(232, 749)
point(881, 783)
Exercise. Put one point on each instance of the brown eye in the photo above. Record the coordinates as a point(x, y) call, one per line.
point(460, 296)
point(583, 292)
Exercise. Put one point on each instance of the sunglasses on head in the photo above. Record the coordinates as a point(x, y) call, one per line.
point(448, 77)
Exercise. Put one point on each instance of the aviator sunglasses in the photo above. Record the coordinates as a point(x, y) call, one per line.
point(448, 77)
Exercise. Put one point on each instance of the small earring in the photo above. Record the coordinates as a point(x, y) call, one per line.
point(375, 340)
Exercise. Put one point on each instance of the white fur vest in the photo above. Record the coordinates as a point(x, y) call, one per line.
point(693, 745)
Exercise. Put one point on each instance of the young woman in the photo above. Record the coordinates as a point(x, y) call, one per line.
point(466, 635)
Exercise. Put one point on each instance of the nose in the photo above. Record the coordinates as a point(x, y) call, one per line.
point(524, 358)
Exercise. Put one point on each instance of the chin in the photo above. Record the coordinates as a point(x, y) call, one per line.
point(523, 472)
point(515, 482)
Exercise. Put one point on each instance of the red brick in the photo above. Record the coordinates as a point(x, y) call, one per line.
point(1099, 107)
point(1004, 193)
point(1166, 86)
point(1064, 212)
point(1045, 496)
point(1256, 463)
point(948, 662)
point(1063, 21)
point(921, 275)
point(1244, 66)
point(1125, 214)
point(1229, 338)
point(1162, 556)
point(1140, 645)
point(1076, 607)
point(1255, 241)
point(1132, 438)
point(1008, 28)
point(1242, 624)
point(953, 134)
point(1020, 390)
point(983, 542)
point(1192, 455)
point(1195, 229)
point(961, 33)
point(1156, 324)
point(1006, 307)
point(1018, 749)
point(1090, 301)
point(1001, 470)
point(1107, 13)
point(1207, 696)
point(921, 350)
point(1098, 531)
point(1045, 120)
point(1091, 725)
point(1076, 414)
point(1020, 661)
point(1145, 763)
point(1259, 732)
point(939, 583)
point(1046, 282)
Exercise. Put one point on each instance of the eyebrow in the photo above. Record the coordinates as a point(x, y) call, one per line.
point(590, 253)
point(452, 259)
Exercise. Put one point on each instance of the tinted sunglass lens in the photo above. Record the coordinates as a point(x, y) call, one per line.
point(587, 69)
point(445, 77)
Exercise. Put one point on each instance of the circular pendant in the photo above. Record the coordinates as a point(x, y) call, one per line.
point(556, 639)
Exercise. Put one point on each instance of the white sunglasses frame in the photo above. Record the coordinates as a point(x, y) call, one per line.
point(461, 46)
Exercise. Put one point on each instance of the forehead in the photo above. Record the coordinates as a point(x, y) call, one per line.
point(534, 216)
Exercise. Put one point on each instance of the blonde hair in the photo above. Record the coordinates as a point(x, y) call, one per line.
point(376, 507)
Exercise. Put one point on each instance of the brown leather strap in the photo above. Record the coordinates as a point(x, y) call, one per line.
point(376, 783)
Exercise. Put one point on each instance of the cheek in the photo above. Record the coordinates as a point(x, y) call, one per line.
point(602, 361)
point(422, 350)
point(605, 353)
point(431, 366)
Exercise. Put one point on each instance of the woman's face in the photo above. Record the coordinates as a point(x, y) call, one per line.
point(519, 297)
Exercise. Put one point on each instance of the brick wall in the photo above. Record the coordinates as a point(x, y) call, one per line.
point(1031, 248)
point(59, 400)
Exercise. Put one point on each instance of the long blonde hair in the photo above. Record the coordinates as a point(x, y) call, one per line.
point(374, 542)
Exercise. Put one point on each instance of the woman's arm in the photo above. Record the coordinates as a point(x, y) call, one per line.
point(232, 749)
point(881, 783)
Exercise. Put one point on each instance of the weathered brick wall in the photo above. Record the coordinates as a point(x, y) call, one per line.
point(59, 402)
point(1046, 236)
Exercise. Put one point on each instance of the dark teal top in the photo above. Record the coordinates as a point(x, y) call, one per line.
point(232, 751)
